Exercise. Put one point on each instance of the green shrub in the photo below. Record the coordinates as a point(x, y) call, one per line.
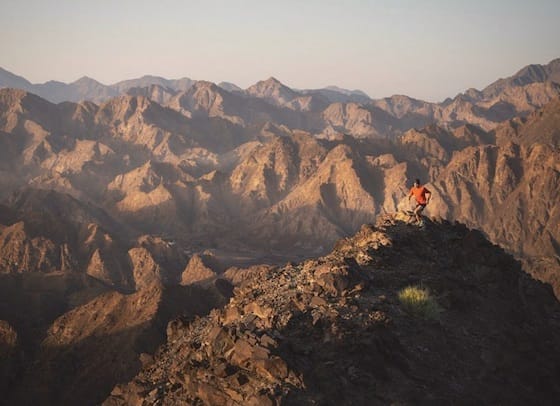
point(417, 301)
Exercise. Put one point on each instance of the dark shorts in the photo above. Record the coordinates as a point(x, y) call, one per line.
point(422, 205)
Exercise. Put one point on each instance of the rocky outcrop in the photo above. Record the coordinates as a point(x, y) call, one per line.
point(146, 271)
point(332, 330)
point(197, 270)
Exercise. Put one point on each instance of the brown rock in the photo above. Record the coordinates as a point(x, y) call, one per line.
point(261, 400)
point(145, 270)
point(273, 368)
point(317, 301)
point(196, 271)
point(333, 283)
point(231, 314)
point(219, 341)
point(268, 341)
point(261, 311)
point(241, 353)
point(211, 395)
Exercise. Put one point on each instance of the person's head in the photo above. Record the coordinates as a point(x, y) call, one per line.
point(417, 182)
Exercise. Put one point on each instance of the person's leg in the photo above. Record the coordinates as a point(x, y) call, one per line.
point(418, 213)
point(411, 216)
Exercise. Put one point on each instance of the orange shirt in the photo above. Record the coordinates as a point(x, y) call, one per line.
point(419, 194)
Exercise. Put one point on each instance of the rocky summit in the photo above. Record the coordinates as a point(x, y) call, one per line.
point(339, 330)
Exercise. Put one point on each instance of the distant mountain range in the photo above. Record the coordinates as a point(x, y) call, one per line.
point(329, 112)
point(87, 88)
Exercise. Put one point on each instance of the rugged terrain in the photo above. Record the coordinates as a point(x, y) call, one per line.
point(119, 215)
point(332, 330)
point(509, 189)
point(278, 174)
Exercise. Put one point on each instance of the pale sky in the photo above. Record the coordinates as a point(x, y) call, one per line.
point(429, 49)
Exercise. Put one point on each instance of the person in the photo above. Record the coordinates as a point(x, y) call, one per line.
point(422, 196)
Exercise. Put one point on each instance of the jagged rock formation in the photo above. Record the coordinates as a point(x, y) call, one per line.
point(332, 331)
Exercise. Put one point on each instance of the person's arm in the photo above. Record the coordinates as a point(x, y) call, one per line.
point(428, 196)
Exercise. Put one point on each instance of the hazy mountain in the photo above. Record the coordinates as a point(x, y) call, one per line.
point(273, 91)
point(157, 93)
point(276, 93)
point(230, 87)
point(529, 89)
point(527, 75)
point(179, 85)
point(336, 94)
point(87, 88)
point(8, 79)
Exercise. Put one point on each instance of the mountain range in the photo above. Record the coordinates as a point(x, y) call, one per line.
point(338, 110)
point(124, 207)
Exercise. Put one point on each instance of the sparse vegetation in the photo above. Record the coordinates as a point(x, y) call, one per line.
point(417, 301)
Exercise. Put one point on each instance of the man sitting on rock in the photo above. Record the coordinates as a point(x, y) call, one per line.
point(419, 192)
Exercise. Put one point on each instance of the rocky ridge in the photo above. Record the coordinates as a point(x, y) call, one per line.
point(331, 330)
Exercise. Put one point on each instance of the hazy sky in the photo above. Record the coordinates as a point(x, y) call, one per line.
point(425, 49)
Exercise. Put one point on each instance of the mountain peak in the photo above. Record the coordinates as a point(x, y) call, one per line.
point(153, 77)
point(230, 87)
point(270, 83)
point(8, 79)
point(86, 80)
point(554, 64)
point(352, 302)
point(347, 92)
point(273, 91)
point(273, 80)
